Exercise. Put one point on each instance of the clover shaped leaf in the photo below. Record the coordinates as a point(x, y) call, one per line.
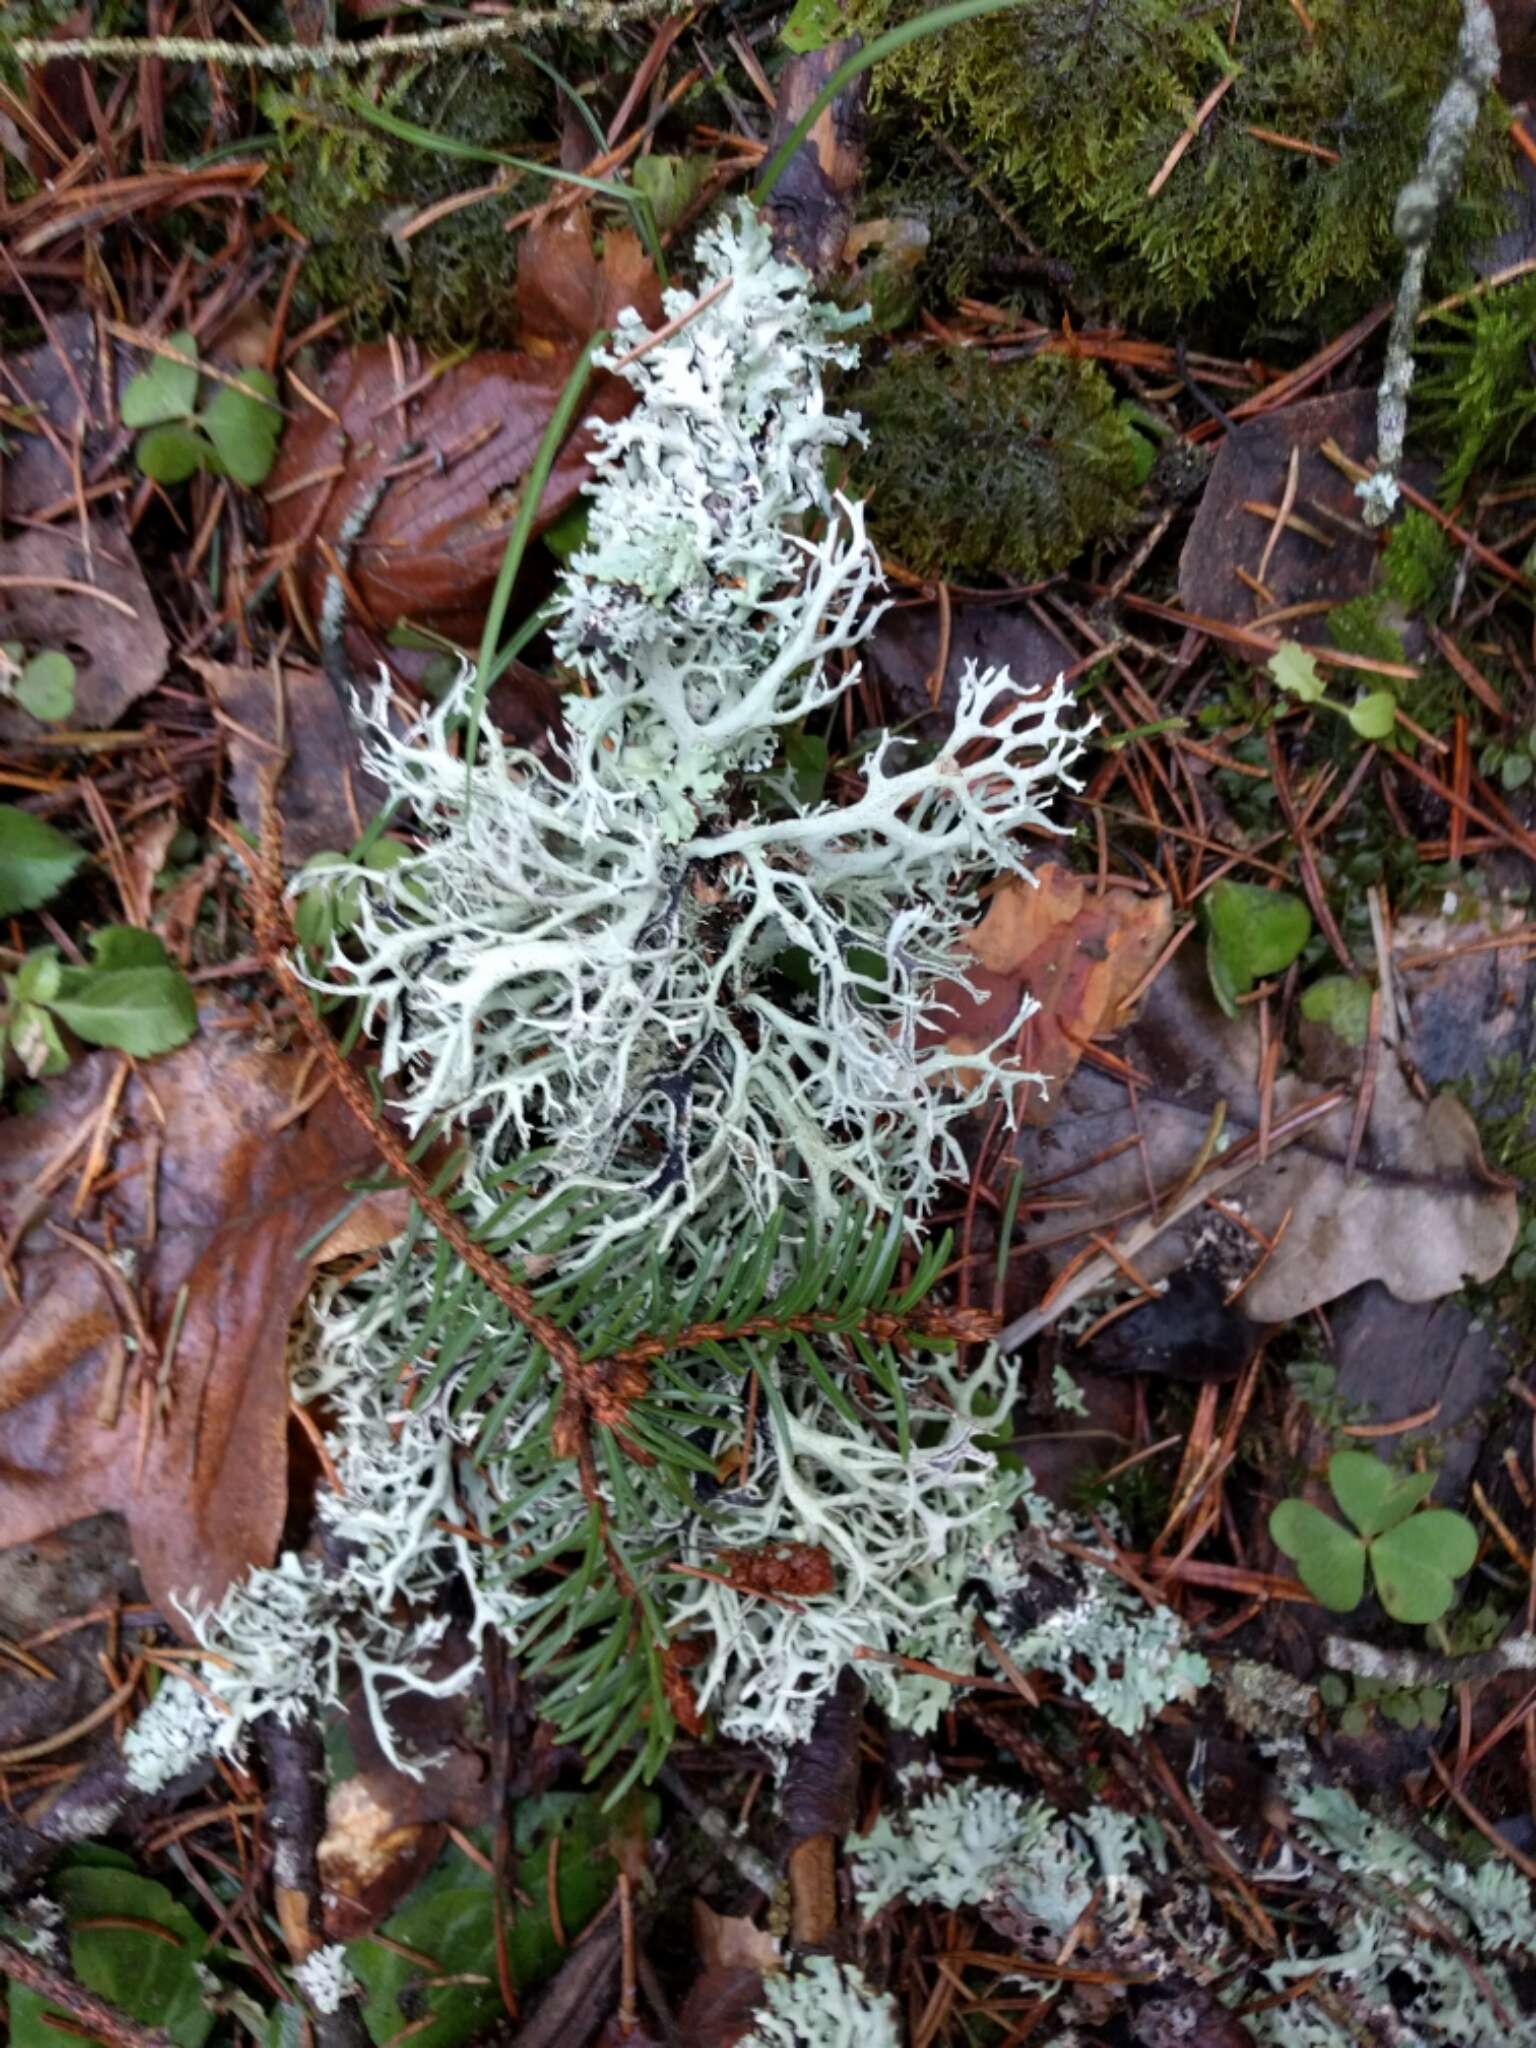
point(1415, 1559)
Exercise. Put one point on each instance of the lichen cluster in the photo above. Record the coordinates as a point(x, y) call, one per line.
point(582, 971)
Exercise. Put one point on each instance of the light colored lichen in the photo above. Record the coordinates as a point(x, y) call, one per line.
point(666, 1000)
point(325, 1978)
point(824, 2004)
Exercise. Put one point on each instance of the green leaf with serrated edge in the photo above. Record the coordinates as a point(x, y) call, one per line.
point(243, 427)
point(1374, 716)
point(672, 183)
point(1250, 933)
point(1416, 1564)
point(125, 945)
point(163, 390)
point(35, 860)
point(1371, 1493)
point(1330, 1562)
point(170, 454)
point(46, 686)
point(1342, 1002)
point(151, 1976)
point(1295, 671)
point(142, 1010)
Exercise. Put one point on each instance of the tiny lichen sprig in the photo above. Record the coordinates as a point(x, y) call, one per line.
point(824, 2004)
point(699, 607)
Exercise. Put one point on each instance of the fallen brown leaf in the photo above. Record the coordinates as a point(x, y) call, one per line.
point(432, 546)
point(1335, 561)
point(43, 387)
point(1080, 955)
point(232, 1203)
point(1421, 1212)
point(105, 620)
point(324, 794)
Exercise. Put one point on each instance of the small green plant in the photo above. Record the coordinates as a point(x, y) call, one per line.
point(1372, 715)
point(129, 996)
point(36, 860)
point(1315, 1384)
point(1415, 1559)
point(1356, 1700)
point(42, 683)
point(233, 433)
point(1250, 932)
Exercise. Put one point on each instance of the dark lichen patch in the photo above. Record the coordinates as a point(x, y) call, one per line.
point(1073, 107)
point(980, 469)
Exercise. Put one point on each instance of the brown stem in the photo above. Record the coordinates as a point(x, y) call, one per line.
point(105, 2021)
point(958, 1325)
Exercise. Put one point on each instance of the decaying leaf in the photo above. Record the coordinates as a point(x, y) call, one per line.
point(1420, 1212)
point(441, 469)
point(324, 795)
point(206, 1211)
point(43, 387)
point(92, 605)
point(1325, 554)
point(1080, 955)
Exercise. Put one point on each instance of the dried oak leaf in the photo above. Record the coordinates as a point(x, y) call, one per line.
point(432, 545)
point(204, 1196)
point(1079, 954)
point(93, 605)
point(1421, 1212)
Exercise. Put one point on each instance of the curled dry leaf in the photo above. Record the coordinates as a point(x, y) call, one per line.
point(92, 604)
point(1421, 1212)
point(1080, 955)
point(218, 1206)
point(430, 547)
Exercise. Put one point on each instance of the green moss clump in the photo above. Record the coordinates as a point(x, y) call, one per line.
point(975, 468)
point(1475, 393)
point(1072, 107)
point(345, 186)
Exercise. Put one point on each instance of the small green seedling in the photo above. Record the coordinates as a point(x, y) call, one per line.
point(234, 433)
point(1415, 1558)
point(42, 683)
point(130, 996)
point(1250, 933)
point(1356, 1700)
point(1373, 715)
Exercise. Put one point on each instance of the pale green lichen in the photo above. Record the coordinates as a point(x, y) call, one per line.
point(824, 2004)
point(582, 968)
